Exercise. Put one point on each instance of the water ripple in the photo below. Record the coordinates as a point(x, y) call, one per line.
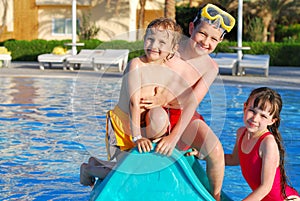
point(49, 127)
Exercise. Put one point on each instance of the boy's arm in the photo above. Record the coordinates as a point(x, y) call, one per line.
point(192, 98)
point(135, 85)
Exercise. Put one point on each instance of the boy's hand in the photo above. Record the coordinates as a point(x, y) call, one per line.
point(195, 153)
point(159, 99)
point(144, 145)
point(152, 102)
point(165, 145)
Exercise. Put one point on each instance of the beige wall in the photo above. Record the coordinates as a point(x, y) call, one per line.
point(116, 21)
point(45, 17)
point(113, 20)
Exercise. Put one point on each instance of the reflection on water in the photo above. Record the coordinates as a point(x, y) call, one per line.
point(48, 127)
point(41, 147)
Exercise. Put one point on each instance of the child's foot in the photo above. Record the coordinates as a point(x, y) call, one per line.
point(85, 178)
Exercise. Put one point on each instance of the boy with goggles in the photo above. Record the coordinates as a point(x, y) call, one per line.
point(206, 32)
point(189, 129)
point(215, 16)
point(196, 69)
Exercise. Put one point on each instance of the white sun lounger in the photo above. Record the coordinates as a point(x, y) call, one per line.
point(226, 60)
point(6, 58)
point(52, 58)
point(85, 56)
point(110, 57)
point(99, 58)
point(255, 61)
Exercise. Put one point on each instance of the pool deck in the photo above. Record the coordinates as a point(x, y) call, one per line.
point(278, 76)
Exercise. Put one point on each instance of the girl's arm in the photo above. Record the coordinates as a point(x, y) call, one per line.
point(270, 160)
point(233, 158)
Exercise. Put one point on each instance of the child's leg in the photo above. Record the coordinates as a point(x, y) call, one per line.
point(200, 136)
point(98, 162)
point(94, 168)
point(97, 171)
point(89, 172)
point(157, 121)
point(85, 178)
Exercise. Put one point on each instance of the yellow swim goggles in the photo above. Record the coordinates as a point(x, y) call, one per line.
point(216, 16)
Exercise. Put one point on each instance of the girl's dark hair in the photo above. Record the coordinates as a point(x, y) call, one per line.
point(263, 97)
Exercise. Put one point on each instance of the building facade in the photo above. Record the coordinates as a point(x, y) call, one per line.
point(52, 19)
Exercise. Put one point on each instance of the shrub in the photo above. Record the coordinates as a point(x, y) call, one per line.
point(135, 48)
point(290, 34)
point(23, 50)
point(281, 54)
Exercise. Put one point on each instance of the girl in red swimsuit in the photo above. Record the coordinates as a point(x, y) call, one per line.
point(259, 149)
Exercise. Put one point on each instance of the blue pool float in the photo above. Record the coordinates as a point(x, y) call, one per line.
point(154, 177)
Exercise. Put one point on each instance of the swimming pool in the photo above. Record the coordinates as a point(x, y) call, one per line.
point(49, 126)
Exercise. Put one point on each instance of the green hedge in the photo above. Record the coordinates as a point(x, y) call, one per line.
point(282, 54)
point(135, 48)
point(29, 50)
point(23, 50)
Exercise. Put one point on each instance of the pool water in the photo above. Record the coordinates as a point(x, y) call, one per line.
point(49, 126)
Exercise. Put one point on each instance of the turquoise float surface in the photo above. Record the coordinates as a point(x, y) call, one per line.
point(151, 176)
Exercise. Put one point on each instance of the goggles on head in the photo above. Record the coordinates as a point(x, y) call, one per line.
point(216, 16)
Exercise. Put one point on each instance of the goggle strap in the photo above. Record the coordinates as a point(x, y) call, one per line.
point(216, 23)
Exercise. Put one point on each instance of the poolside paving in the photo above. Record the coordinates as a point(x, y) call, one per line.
point(278, 76)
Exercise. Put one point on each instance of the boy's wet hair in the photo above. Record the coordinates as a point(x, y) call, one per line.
point(167, 24)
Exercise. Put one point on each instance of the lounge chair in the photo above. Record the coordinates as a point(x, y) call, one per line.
point(85, 56)
point(52, 59)
point(6, 58)
point(117, 57)
point(255, 61)
point(226, 60)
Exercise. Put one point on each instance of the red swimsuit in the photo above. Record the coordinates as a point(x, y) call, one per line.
point(251, 165)
point(174, 115)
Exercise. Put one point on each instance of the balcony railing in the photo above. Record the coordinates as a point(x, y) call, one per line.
point(62, 2)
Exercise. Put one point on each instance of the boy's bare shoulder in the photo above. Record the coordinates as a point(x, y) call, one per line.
point(136, 62)
point(203, 63)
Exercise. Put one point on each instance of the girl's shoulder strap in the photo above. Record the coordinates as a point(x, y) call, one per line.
point(262, 137)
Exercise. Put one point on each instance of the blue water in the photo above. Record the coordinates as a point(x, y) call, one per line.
point(49, 126)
